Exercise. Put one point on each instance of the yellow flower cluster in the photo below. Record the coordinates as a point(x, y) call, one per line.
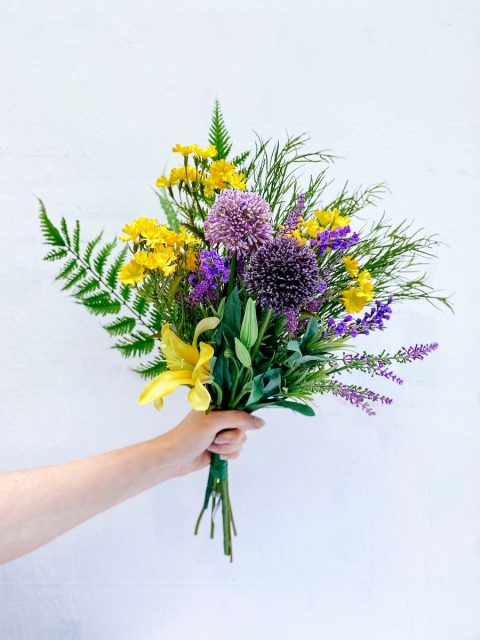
point(355, 298)
point(157, 248)
point(219, 175)
point(308, 229)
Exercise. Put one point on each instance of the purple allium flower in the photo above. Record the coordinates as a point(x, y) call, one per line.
point(283, 275)
point(373, 319)
point(211, 273)
point(291, 223)
point(240, 220)
point(336, 239)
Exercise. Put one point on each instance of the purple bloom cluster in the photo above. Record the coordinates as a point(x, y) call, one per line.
point(373, 319)
point(417, 352)
point(283, 275)
point(211, 273)
point(358, 396)
point(336, 239)
point(240, 220)
point(291, 223)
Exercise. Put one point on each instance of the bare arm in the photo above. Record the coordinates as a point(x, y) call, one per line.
point(37, 505)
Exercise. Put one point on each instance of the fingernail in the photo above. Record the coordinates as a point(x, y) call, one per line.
point(258, 422)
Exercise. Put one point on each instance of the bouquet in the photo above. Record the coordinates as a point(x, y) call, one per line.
point(254, 289)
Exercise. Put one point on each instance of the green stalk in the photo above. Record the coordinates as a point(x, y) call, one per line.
point(261, 332)
point(233, 274)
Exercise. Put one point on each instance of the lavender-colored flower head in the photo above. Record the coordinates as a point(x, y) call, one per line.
point(240, 220)
point(336, 239)
point(293, 218)
point(283, 275)
point(212, 272)
point(371, 320)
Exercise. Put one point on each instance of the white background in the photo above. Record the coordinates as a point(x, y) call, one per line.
point(350, 527)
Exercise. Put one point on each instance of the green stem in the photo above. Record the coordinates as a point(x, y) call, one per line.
point(233, 274)
point(261, 332)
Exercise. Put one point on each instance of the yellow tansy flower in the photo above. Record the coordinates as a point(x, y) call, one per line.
point(185, 150)
point(351, 265)
point(365, 282)
point(354, 299)
point(163, 181)
point(207, 152)
point(236, 181)
point(138, 229)
point(162, 260)
point(131, 273)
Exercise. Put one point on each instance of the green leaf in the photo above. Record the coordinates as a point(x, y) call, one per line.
point(75, 278)
point(231, 316)
point(76, 237)
point(152, 369)
point(242, 353)
point(218, 134)
point(126, 292)
point(120, 326)
point(136, 344)
point(240, 159)
point(64, 228)
point(91, 246)
point(89, 285)
point(101, 304)
point(56, 254)
point(50, 232)
point(140, 304)
point(67, 269)
point(112, 275)
point(101, 259)
point(169, 211)
point(299, 407)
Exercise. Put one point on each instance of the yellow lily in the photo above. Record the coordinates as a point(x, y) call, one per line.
point(187, 364)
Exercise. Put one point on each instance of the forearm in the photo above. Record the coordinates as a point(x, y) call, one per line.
point(37, 505)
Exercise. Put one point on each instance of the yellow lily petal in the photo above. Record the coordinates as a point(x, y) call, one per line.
point(164, 384)
point(158, 403)
point(178, 354)
point(203, 363)
point(205, 325)
point(199, 397)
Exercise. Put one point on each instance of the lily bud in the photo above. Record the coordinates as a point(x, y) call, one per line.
point(249, 328)
point(242, 353)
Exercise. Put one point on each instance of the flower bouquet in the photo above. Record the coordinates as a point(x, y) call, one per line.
point(254, 290)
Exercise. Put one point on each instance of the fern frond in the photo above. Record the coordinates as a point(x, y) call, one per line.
point(56, 254)
point(140, 304)
point(75, 279)
point(51, 235)
point(240, 158)
point(218, 134)
point(112, 274)
point(136, 344)
point(101, 259)
point(91, 246)
point(64, 228)
point(67, 269)
point(125, 292)
point(89, 285)
point(151, 369)
point(120, 326)
point(169, 211)
point(76, 237)
point(101, 304)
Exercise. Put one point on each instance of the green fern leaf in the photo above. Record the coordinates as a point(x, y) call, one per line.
point(50, 232)
point(137, 344)
point(101, 304)
point(101, 259)
point(140, 304)
point(67, 269)
point(87, 287)
point(152, 369)
point(218, 134)
point(126, 292)
point(112, 275)
point(240, 159)
point(120, 326)
point(156, 320)
point(75, 278)
point(91, 246)
point(64, 228)
point(76, 237)
point(169, 211)
point(56, 254)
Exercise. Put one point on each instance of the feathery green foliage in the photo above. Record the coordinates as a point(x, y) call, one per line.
point(218, 134)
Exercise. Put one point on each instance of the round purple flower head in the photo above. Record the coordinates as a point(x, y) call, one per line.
point(283, 275)
point(240, 220)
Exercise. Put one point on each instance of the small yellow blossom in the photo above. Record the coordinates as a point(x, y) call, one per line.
point(163, 181)
point(354, 299)
point(207, 152)
point(191, 262)
point(131, 273)
point(138, 229)
point(185, 150)
point(351, 265)
point(331, 219)
point(365, 282)
point(236, 181)
point(162, 260)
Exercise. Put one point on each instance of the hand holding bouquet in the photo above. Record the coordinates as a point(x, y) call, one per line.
point(254, 291)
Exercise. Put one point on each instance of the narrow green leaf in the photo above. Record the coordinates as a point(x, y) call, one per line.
point(152, 369)
point(126, 292)
point(140, 304)
point(64, 228)
point(242, 353)
point(101, 304)
point(101, 259)
point(91, 246)
point(218, 134)
point(120, 326)
point(76, 237)
point(173, 220)
point(56, 254)
point(50, 232)
point(89, 285)
point(136, 344)
point(67, 269)
point(112, 275)
point(75, 278)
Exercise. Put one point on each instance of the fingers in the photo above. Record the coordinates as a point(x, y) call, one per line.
point(228, 442)
point(221, 420)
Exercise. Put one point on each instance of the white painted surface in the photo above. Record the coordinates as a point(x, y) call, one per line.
point(350, 527)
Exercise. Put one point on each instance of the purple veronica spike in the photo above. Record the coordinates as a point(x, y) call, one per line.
point(211, 273)
point(336, 240)
point(291, 223)
point(372, 320)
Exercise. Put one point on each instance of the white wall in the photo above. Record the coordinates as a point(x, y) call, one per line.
point(350, 527)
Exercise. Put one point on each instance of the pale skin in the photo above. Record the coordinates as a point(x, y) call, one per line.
point(37, 505)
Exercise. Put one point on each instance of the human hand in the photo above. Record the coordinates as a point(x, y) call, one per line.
point(199, 434)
